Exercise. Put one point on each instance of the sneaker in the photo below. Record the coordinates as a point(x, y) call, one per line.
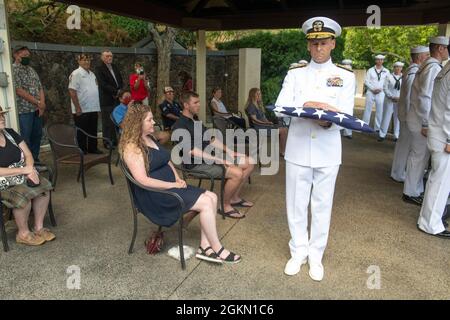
point(293, 266)
point(316, 271)
point(45, 234)
point(30, 239)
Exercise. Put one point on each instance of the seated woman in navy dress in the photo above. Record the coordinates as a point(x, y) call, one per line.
point(150, 165)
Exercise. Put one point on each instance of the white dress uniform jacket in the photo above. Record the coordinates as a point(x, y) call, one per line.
point(422, 87)
point(405, 91)
point(438, 184)
point(308, 143)
point(417, 118)
point(402, 147)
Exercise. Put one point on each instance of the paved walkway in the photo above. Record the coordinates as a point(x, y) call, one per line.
point(372, 229)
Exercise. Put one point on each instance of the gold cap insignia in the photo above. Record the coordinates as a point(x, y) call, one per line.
point(317, 26)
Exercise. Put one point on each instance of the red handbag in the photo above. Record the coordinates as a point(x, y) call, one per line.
point(155, 242)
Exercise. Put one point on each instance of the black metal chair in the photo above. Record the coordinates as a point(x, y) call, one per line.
point(65, 150)
point(118, 134)
point(176, 198)
point(222, 124)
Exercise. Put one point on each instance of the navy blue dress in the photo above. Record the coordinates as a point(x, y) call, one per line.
point(161, 209)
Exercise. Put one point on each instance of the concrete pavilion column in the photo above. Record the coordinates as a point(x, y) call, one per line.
point(7, 95)
point(201, 73)
point(444, 30)
point(249, 74)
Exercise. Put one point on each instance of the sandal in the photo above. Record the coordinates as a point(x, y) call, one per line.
point(241, 204)
point(230, 258)
point(228, 214)
point(212, 257)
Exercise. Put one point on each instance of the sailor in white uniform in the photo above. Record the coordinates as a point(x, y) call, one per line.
point(374, 82)
point(418, 55)
point(438, 138)
point(417, 119)
point(391, 88)
point(313, 151)
point(347, 63)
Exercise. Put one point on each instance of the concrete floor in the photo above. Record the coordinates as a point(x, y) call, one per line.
point(371, 226)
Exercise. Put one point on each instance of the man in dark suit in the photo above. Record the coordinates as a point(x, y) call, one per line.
point(109, 83)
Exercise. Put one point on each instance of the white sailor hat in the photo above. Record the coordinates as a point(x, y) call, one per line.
point(347, 62)
point(303, 62)
point(439, 40)
point(321, 28)
point(399, 64)
point(420, 49)
point(294, 65)
point(380, 57)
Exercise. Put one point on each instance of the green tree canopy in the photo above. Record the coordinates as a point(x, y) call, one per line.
point(278, 51)
point(362, 44)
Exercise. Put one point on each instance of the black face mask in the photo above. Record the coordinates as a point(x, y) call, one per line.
point(25, 61)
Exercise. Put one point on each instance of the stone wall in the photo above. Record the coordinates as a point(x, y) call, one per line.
point(54, 68)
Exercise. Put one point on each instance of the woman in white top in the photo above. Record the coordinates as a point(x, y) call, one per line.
point(218, 108)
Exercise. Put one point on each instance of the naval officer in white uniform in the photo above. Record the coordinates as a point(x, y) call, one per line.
point(438, 139)
point(391, 89)
point(417, 119)
point(313, 151)
point(374, 82)
point(418, 55)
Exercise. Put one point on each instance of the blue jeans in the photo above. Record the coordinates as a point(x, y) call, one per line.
point(31, 131)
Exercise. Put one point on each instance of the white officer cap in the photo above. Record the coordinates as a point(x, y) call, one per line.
point(347, 62)
point(399, 64)
point(303, 62)
point(321, 28)
point(379, 57)
point(439, 40)
point(420, 49)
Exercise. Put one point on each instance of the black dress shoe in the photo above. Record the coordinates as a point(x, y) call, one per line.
point(414, 200)
point(380, 139)
point(96, 152)
point(443, 234)
point(348, 137)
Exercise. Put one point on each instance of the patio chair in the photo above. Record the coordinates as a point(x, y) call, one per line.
point(222, 124)
point(65, 150)
point(118, 134)
point(176, 198)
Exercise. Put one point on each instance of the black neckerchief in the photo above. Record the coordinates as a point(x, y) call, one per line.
point(397, 82)
point(378, 74)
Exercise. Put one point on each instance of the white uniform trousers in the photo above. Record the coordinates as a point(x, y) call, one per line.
point(390, 108)
point(416, 164)
point(402, 147)
point(347, 132)
point(378, 99)
point(436, 194)
point(303, 184)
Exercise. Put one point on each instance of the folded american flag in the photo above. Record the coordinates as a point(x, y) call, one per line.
point(341, 119)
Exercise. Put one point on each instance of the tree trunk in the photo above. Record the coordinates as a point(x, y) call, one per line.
point(164, 42)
